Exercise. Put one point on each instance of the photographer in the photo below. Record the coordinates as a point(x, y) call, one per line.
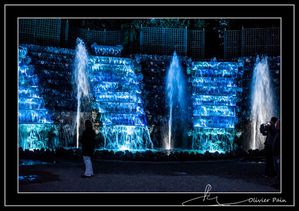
point(268, 129)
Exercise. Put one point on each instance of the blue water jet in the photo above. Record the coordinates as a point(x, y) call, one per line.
point(175, 92)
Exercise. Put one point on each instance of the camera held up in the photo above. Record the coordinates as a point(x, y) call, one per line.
point(264, 128)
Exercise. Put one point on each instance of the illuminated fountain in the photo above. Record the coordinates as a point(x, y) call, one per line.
point(175, 92)
point(81, 80)
point(113, 86)
point(36, 129)
point(115, 93)
point(117, 97)
point(262, 102)
point(215, 97)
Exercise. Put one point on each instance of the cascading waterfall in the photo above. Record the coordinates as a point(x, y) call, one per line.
point(116, 87)
point(215, 105)
point(36, 128)
point(262, 102)
point(81, 61)
point(175, 92)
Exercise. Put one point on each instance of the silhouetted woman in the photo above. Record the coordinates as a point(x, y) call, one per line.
point(88, 146)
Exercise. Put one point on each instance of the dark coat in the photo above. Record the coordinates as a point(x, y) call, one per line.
point(276, 144)
point(88, 142)
point(270, 137)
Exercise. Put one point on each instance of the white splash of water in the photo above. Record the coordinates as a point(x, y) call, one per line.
point(262, 103)
point(81, 61)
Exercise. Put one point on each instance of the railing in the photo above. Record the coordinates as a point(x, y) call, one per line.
point(252, 41)
point(155, 40)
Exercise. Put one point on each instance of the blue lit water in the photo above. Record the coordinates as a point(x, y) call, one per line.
point(28, 178)
point(36, 128)
point(214, 97)
point(175, 92)
point(113, 87)
point(27, 162)
point(31, 103)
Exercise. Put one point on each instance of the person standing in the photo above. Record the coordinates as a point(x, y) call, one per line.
point(88, 146)
point(276, 154)
point(271, 131)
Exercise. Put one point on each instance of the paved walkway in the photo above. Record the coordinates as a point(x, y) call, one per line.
point(141, 176)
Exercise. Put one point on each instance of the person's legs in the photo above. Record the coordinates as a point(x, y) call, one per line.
point(269, 170)
point(277, 171)
point(88, 166)
point(276, 164)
